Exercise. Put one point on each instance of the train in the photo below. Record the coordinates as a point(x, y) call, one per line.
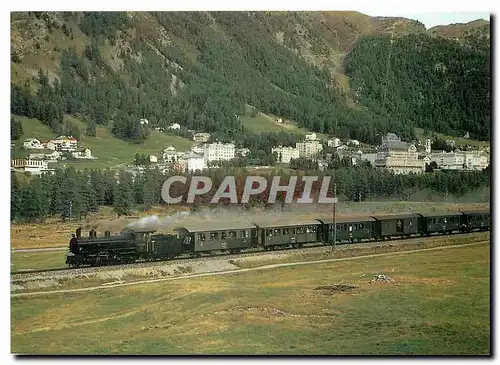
point(208, 238)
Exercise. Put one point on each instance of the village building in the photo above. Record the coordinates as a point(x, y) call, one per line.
point(51, 156)
point(35, 166)
point(32, 144)
point(311, 137)
point(370, 157)
point(399, 157)
point(175, 126)
point(219, 151)
point(242, 152)
point(333, 142)
point(475, 160)
point(201, 137)
point(285, 154)
point(170, 156)
point(85, 154)
point(62, 143)
point(309, 149)
point(448, 160)
point(198, 149)
point(353, 142)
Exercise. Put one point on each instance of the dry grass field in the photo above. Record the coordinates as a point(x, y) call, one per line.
point(438, 303)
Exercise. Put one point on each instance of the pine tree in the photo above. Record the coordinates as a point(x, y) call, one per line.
point(123, 196)
point(16, 129)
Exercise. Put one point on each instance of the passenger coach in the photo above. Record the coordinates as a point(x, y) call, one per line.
point(218, 236)
point(349, 229)
point(287, 232)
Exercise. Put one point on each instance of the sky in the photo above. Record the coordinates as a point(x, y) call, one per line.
point(432, 19)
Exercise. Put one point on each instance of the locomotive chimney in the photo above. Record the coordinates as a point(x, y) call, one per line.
point(79, 232)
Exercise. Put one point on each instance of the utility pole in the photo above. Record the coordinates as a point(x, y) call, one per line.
point(70, 208)
point(334, 216)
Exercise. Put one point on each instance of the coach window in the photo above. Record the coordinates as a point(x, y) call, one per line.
point(269, 232)
point(312, 229)
point(201, 236)
point(292, 230)
point(243, 234)
point(223, 235)
point(232, 234)
point(214, 236)
point(277, 232)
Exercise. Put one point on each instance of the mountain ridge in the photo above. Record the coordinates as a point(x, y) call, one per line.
point(112, 67)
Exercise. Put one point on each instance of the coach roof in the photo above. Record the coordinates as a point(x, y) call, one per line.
point(216, 226)
point(346, 219)
point(271, 223)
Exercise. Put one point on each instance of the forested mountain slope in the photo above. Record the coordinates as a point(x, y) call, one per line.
point(200, 69)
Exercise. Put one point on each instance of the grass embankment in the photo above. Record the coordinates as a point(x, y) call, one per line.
point(365, 248)
point(37, 260)
point(109, 150)
point(439, 303)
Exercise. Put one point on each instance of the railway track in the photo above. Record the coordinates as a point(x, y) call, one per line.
point(38, 274)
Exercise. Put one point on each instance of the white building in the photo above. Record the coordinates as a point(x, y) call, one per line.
point(32, 144)
point(285, 154)
point(198, 149)
point(153, 159)
point(62, 143)
point(144, 121)
point(201, 137)
point(175, 126)
point(353, 142)
point(309, 149)
point(469, 160)
point(34, 166)
point(370, 157)
point(170, 156)
point(400, 157)
point(52, 156)
point(333, 142)
point(219, 151)
point(311, 137)
point(242, 152)
point(448, 160)
point(428, 145)
point(475, 160)
point(195, 162)
point(85, 154)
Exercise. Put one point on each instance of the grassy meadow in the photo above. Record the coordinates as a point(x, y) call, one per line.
point(438, 304)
